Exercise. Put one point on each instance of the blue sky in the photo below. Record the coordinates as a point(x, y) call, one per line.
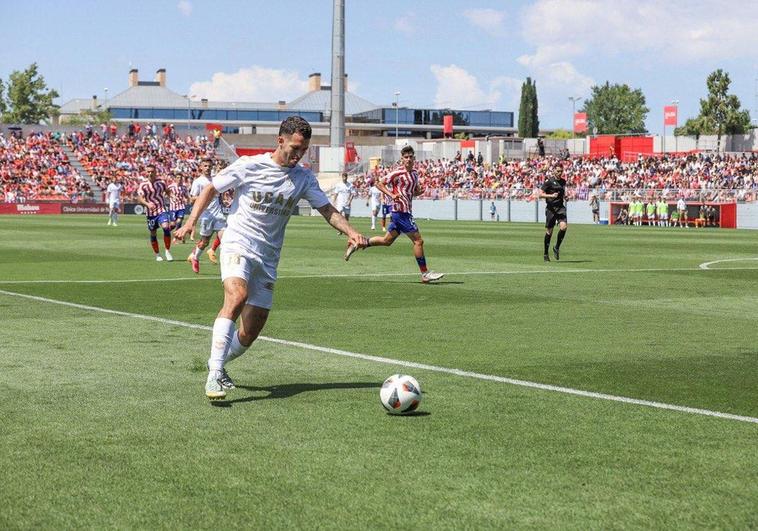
point(440, 53)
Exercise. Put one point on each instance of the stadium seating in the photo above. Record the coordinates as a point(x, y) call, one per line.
point(694, 177)
point(36, 168)
point(125, 157)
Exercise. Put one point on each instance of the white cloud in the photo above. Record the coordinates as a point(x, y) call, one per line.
point(406, 24)
point(678, 32)
point(489, 20)
point(185, 7)
point(457, 88)
point(253, 84)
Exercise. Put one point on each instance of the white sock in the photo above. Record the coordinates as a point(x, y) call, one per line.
point(236, 349)
point(197, 252)
point(223, 329)
point(373, 222)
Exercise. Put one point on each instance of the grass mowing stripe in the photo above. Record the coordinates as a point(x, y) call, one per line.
point(433, 368)
point(359, 275)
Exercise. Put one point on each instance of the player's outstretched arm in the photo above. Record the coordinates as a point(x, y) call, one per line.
point(202, 202)
point(338, 221)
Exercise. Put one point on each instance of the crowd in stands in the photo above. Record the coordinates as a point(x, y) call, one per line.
point(698, 176)
point(125, 157)
point(35, 168)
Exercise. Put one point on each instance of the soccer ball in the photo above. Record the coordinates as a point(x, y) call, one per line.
point(400, 394)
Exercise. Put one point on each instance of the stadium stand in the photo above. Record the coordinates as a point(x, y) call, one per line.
point(692, 176)
point(36, 168)
point(124, 157)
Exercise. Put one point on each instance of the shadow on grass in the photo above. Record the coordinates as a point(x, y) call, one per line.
point(288, 390)
point(406, 282)
point(573, 261)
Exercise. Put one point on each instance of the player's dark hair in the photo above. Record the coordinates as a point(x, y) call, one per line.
point(407, 150)
point(295, 124)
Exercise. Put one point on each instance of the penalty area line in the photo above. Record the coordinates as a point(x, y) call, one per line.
point(410, 364)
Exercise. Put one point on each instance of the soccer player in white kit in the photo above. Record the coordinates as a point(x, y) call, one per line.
point(113, 193)
point(211, 220)
point(342, 196)
point(374, 201)
point(267, 189)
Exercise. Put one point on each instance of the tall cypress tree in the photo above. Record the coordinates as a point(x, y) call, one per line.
point(528, 122)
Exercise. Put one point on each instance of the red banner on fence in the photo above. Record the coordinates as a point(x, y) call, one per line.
point(670, 115)
point(580, 122)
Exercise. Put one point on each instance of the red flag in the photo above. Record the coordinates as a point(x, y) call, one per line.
point(580, 122)
point(670, 115)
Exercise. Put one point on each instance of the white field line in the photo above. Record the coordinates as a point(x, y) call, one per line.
point(707, 265)
point(423, 366)
point(551, 271)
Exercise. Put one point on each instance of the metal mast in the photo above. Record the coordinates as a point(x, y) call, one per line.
point(337, 125)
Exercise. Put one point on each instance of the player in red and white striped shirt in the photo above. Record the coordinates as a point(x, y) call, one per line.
point(151, 193)
point(402, 186)
point(178, 198)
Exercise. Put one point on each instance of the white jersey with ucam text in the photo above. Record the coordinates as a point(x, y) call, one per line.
point(265, 195)
point(376, 197)
point(214, 209)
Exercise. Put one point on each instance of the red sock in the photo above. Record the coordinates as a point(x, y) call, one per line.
point(154, 243)
point(166, 242)
point(216, 243)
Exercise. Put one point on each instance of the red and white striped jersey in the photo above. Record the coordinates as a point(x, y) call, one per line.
point(403, 183)
point(178, 196)
point(153, 193)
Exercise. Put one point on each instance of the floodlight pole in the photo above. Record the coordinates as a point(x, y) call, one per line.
point(397, 111)
point(573, 100)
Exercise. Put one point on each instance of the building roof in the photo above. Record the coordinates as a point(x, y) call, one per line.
point(147, 96)
point(76, 106)
point(321, 101)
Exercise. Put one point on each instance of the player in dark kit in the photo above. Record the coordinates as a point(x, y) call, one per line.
point(554, 192)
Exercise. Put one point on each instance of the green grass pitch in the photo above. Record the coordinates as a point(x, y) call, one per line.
point(105, 423)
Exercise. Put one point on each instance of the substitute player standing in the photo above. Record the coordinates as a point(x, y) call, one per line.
point(267, 189)
point(554, 192)
point(374, 201)
point(113, 192)
point(151, 194)
point(402, 185)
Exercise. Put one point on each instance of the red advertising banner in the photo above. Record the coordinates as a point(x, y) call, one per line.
point(580, 122)
point(30, 208)
point(670, 115)
point(447, 125)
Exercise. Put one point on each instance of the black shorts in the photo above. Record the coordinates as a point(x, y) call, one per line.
point(552, 217)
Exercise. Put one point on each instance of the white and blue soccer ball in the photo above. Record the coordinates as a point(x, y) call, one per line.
point(400, 394)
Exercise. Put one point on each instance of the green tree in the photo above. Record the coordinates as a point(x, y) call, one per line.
point(3, 106)
point(719, 112)
point(528, 120)
point(29, 99)
point(561, 134)
point(616, 109)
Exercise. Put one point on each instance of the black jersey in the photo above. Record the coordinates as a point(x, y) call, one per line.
point(551, 186)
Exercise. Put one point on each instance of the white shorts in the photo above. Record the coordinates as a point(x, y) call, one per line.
point(211, 224)
point(260, 282)
point(345, 210)
point(114, 204)
point(375, 205)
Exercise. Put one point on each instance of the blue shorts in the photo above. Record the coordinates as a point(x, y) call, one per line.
point(177, 214)
point(153, 222)
point(402, 222)
point(386, 210)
